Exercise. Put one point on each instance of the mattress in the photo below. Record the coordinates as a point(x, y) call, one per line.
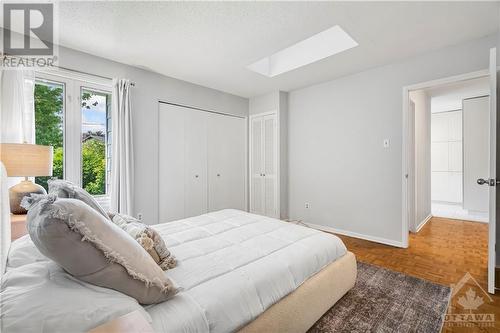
point(234, 265)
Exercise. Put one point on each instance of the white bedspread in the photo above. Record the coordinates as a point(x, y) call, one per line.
point(233, 265)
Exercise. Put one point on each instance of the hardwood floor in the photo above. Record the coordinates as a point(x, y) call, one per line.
point(443, 252)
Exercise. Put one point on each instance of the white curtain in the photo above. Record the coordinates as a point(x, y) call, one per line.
point(122, 158)
point(17, 109)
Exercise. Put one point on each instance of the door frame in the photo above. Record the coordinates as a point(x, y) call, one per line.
point(278, 165)
point(410, 160)
point(411, 171)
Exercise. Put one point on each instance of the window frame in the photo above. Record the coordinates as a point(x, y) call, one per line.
point(87, 87)
point(74, 84)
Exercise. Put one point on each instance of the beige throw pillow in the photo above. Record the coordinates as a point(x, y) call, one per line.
point(93, 249)
point(147, 237)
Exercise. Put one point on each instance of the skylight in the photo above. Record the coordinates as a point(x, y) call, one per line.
point(319, 46)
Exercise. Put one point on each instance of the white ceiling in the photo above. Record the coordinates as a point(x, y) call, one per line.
point(449, 97)
point(211, 43)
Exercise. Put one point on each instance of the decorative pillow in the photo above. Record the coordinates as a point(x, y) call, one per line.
point(93, 249)
point(66, 189)
point(149, 239)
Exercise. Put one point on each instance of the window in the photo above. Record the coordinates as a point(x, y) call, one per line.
point(96, 150)
point(49, 124)
point(73, 114)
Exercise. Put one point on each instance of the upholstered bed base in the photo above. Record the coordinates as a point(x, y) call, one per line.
point(298, 311)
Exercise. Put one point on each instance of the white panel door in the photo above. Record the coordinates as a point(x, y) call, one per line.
point(492, 172)
point(171, 163)
point(476, 114)
point(226, 162)
point(257, 165)
point(195, 152)
point(270, 166)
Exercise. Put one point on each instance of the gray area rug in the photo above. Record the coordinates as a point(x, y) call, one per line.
point(387, 301)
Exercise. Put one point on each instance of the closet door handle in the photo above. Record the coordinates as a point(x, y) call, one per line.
point(196, 176)
point(218, 175)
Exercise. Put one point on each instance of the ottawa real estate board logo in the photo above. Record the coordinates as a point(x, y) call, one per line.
point(467, 307)
point(28, 35)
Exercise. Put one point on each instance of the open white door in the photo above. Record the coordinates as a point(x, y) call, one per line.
point(492, 172)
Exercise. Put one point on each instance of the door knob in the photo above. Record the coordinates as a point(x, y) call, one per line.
point(195, 176)
point(488, 181)
point(218, 175)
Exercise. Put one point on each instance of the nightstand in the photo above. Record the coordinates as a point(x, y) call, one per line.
point(17, 226)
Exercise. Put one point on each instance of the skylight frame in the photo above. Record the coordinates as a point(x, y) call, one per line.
point(322, 45)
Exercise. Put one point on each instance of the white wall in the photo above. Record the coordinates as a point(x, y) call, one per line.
point(264, 103)
point(336, 129)
point(149, 89)
point(422, 156)
point(283, 121)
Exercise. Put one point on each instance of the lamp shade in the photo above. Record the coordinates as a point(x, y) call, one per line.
point(26, 160)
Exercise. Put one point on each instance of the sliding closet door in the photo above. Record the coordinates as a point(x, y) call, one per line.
point(226, 162)
point(171, 163)
point(256, 166)
point(270, 166)
point(195, 154)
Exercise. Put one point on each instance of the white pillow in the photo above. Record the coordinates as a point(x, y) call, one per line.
point(92, 248)
point(23, 252)
point(42, 297)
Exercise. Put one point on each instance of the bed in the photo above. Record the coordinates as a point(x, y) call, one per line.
point(237, 271)
point(237, 265)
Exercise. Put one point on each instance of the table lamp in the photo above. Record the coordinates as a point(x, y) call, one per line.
point(25, 160)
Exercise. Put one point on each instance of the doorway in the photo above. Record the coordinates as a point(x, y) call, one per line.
point(459, 141)
point(447, 149)
point(489, 180)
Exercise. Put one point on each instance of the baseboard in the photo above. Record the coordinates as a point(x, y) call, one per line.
point(421, 224)
point(356, 235)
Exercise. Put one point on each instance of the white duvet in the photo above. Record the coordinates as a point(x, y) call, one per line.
point(232, 266)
